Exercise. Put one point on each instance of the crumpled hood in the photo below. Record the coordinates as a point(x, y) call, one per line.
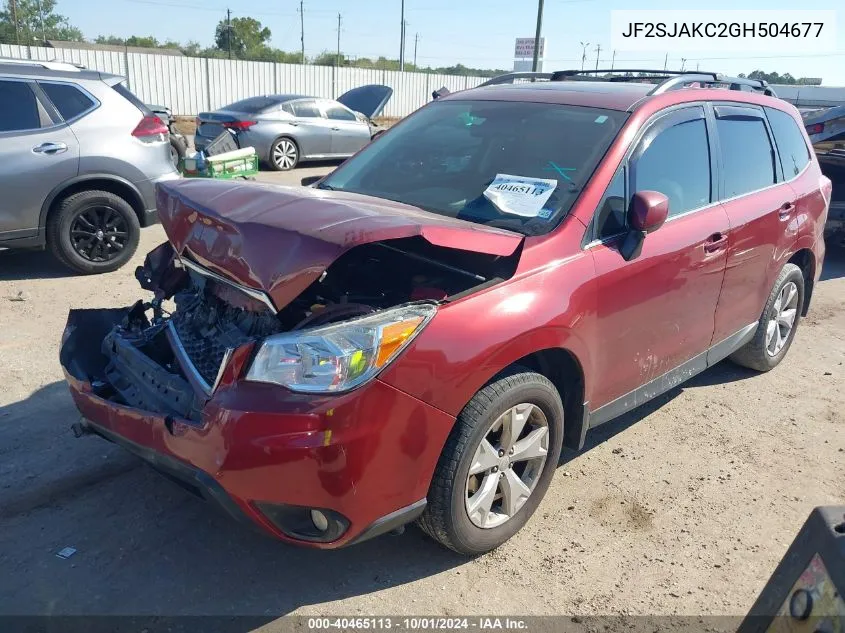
point(281, 239)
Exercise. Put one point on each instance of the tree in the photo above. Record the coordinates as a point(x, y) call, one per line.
point(29, 23)
point(245, 35)
point(786, 78)
point(146, 41)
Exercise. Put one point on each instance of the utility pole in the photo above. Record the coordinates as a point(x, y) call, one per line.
point(696, 66)
point(41, 18)
point(338, 39)
point(598, 52)
point(537, 36)
point(229, 31)
point(416, 41)
point(15, 20)
point(666, 61)
point(683, 63)
point(613, 60)
point(302, 28)
point(584, 46)
point(402, 39)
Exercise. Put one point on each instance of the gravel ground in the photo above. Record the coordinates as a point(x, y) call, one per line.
point(684, 506)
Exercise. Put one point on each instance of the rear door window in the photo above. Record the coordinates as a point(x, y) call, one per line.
point(794, 154)
point(69, 100)
point(676, 163)
point(19, 107)
point(747, 154)
point(339, 113)
point(306, 109)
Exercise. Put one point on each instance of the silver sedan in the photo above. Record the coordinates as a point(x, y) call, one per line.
point(287, 129)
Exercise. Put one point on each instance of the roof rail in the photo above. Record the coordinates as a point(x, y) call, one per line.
point(509, 78)
point(669, 79)
point(49, 65)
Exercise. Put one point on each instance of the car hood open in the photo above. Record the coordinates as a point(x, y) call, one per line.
point(368, 100)
point(279, 240)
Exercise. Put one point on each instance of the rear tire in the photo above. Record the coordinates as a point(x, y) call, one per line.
point(284, 154)
point(778, 323)
point(178, 147)
point(452, 494)
point(93, 232)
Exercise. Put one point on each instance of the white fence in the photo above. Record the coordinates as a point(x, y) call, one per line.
point(188, 85)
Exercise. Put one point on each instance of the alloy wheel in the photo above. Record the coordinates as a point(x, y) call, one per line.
point(507, 465)
point(782, 319)
point(284, 154)
point(98, 233)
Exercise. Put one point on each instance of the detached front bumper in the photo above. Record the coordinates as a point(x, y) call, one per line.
point(269, 456)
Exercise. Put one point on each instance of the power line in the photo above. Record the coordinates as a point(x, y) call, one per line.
point(302, 27)
point(338, 38)
point(537, 35)
point(402, 39)
point(229, 32)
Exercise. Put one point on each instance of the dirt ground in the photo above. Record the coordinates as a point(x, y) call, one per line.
point(684, 506)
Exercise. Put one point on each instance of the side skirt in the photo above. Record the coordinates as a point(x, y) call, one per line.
point(672, 378)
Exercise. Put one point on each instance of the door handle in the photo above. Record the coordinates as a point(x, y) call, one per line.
point(50, 148)
point(715, 242)
point(786, 210)
point(335, 129)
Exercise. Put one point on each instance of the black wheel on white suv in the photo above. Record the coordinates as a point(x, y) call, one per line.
point(497, 463)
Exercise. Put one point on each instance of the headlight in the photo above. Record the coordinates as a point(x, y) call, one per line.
point(338, 357)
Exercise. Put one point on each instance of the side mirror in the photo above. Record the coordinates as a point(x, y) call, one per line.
point(310, 180)
point(646, 213)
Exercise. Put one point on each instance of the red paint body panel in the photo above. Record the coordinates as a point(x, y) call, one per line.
point(261, 443)
point(624, 322)
point(280, 239)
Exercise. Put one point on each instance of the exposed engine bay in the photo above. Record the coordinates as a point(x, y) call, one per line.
point(167, 355)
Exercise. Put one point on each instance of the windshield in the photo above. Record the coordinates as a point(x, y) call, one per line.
point(515, 165)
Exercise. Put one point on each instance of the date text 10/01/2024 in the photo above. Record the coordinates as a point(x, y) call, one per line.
point(417, 623)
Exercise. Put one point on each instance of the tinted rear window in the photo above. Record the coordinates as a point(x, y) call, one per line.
point(793, 151)
point(124, 92)
point(253, 105)
point(19, 108)
point(69, 100)
point(306, 109)
point(747, 155)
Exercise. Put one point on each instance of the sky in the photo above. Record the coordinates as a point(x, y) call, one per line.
point(476, 33)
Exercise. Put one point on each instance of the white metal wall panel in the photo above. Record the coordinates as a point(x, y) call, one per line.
point(189, 85)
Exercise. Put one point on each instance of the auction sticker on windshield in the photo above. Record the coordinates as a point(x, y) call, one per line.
point(520, 195)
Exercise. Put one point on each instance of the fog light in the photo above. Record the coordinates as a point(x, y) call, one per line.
point(305, 524)
point(320, 520)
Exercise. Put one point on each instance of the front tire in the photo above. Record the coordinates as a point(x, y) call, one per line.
point(284, 154)
point(778, 323)
point(497, 463)
point(93, 232)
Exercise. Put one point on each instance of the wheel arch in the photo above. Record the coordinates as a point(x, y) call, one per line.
point(806, 261)
point(91, 182)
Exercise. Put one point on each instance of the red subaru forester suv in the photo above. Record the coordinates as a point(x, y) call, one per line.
point(417, 335)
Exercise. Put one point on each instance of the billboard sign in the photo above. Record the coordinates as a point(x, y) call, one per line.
point(524, 47)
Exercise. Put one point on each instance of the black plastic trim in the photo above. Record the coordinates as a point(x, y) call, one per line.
point(391, 521)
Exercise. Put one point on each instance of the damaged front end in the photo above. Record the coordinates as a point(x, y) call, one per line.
point(169, 355)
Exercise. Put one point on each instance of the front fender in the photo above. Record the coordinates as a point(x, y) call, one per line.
point(470, 341)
